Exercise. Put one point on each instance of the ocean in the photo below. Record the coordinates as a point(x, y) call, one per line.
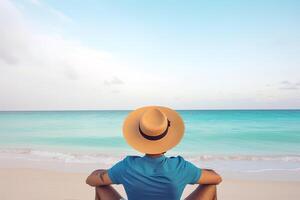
point(232, 141)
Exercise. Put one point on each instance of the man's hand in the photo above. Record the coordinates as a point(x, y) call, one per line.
point(98, 178)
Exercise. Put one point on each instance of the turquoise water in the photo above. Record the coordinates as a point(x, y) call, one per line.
point(208, 132)
point(253, 143)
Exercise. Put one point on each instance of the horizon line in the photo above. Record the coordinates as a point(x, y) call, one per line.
point(202, 109)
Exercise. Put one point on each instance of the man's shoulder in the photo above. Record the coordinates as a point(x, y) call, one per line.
point(129, 159)
point(178, 161)
point(125, 162)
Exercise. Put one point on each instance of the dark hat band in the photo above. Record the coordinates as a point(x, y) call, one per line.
point(156, 137)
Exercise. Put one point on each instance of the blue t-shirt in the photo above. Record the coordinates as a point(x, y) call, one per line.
point(148, 178)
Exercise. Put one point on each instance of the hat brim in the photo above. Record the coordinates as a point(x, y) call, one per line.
point(137, 141)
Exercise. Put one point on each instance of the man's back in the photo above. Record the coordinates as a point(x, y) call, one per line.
point(159, 178)
point(153, 130)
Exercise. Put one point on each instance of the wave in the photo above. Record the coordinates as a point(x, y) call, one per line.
point(111, 157)
point(84, 161)
point(286, 158)
point(32, 154)
point(273, 169)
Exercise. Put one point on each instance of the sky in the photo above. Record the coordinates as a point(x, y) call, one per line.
point(123, 54)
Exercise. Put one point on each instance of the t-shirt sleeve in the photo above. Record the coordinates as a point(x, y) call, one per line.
point(191, 172)
point(116, 172)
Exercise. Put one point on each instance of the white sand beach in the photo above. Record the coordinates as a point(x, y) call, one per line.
point(37, 184)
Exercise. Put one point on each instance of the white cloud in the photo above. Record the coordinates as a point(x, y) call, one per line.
point(37, 69)
point(22, 45)
point(113, 81)
point(287, 85)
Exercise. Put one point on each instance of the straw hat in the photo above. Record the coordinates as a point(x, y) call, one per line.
point(153, 129)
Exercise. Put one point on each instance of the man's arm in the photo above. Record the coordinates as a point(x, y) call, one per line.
point(209, 176)
point(98, 178)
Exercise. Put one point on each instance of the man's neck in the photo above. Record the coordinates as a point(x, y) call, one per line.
point(155, 155)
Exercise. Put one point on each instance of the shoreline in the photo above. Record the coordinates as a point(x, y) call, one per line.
point(276, 168)
point(35, 184)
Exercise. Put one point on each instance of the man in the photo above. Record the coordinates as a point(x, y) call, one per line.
point(153, 130)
